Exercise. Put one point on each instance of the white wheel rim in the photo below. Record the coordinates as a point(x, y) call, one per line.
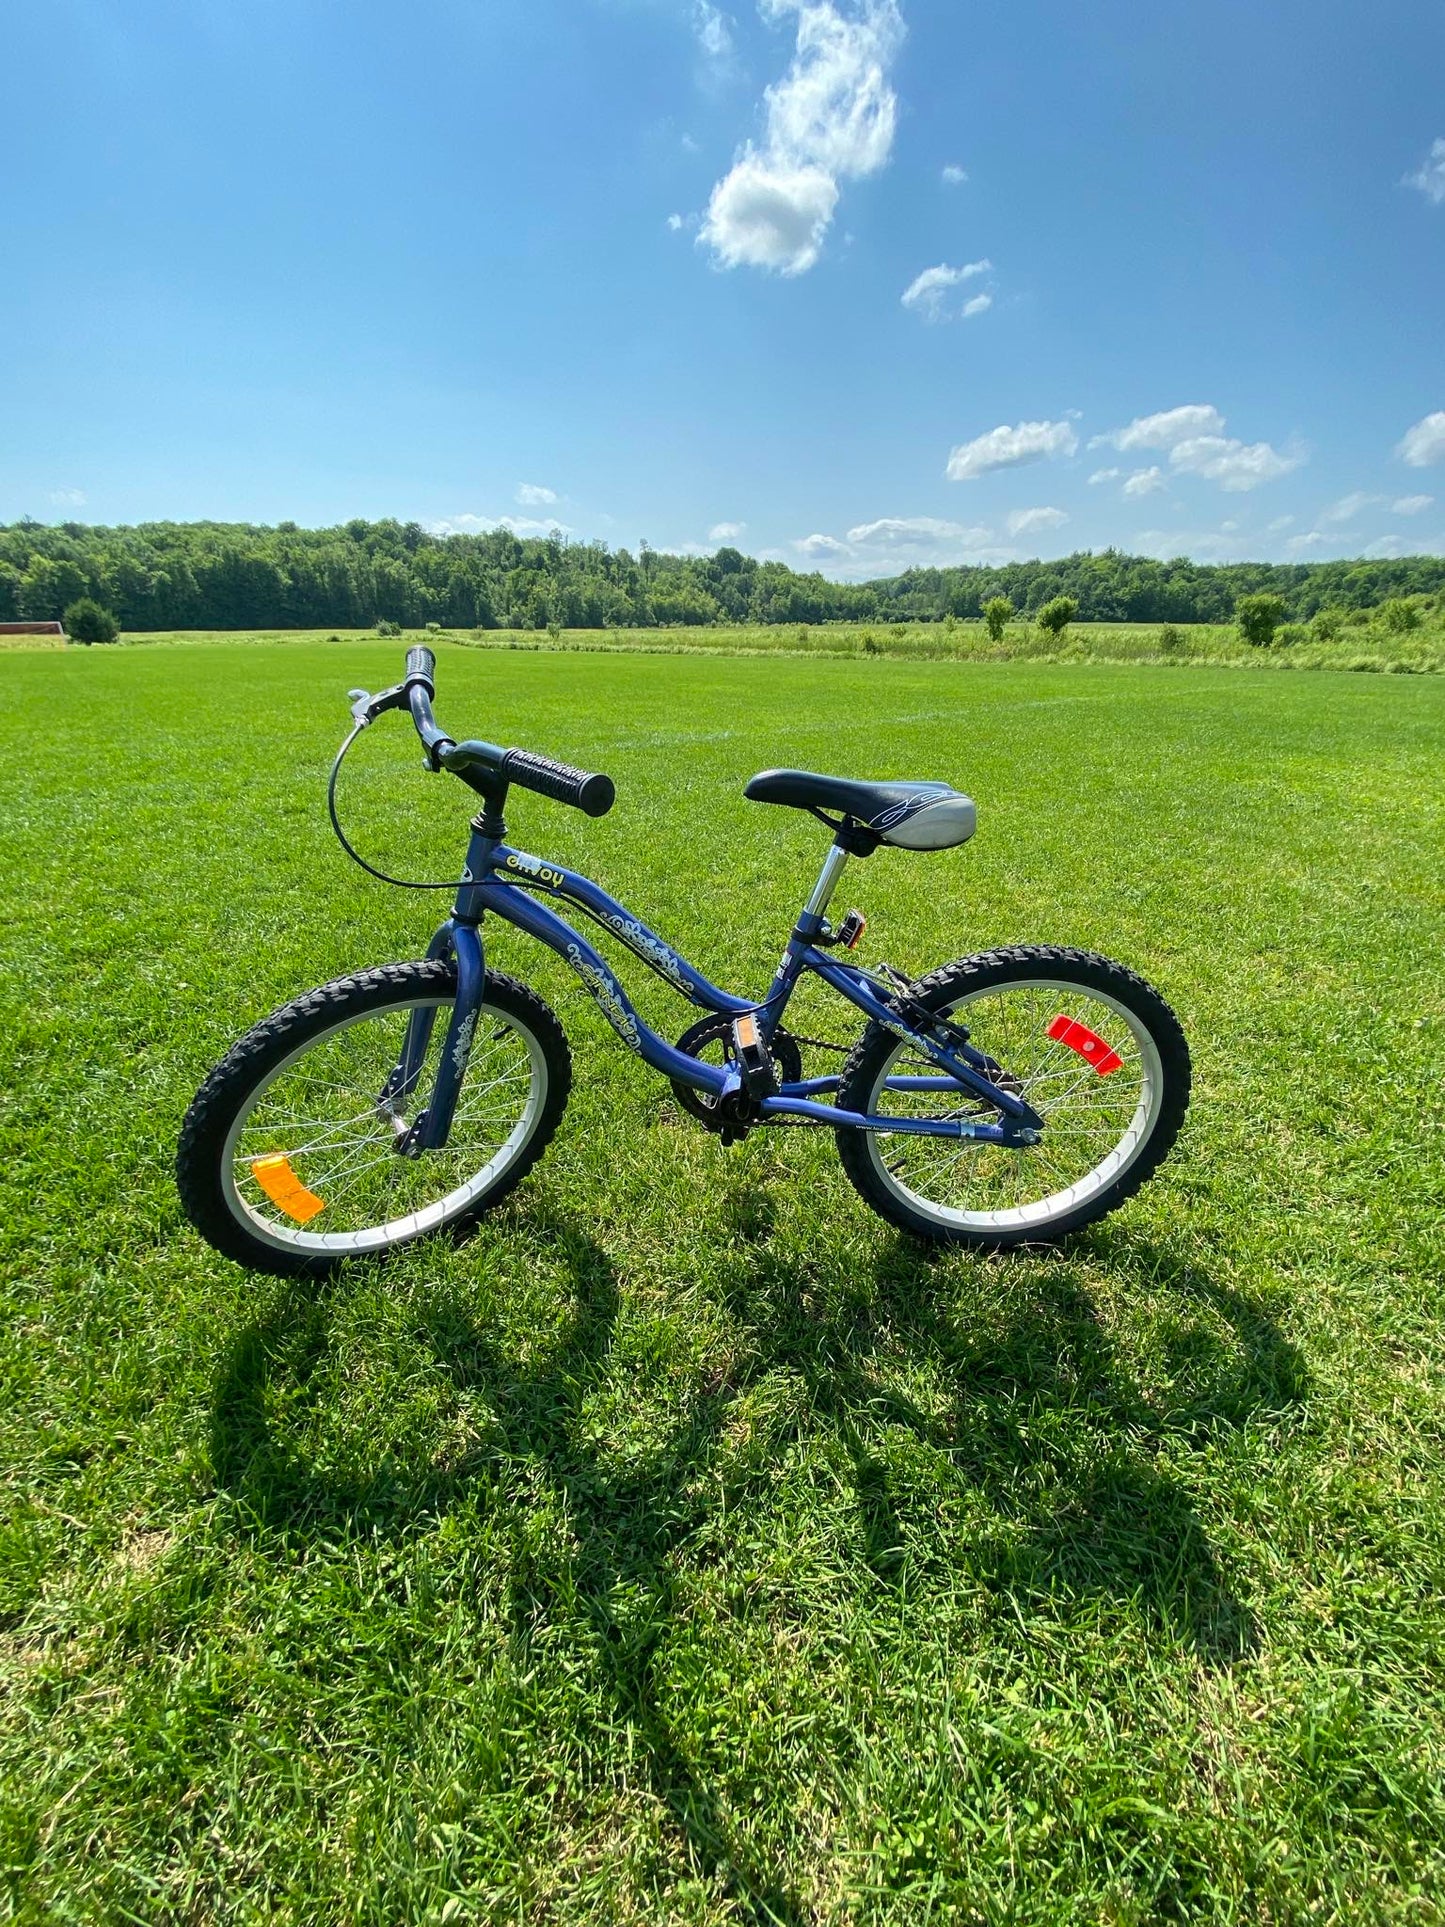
point(369, 1147)
point(946, 1165)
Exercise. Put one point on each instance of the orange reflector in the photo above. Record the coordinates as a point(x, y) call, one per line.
point(1088, 1043)
point(285, 1189)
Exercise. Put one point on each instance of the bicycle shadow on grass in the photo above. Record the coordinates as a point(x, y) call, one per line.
point(1044, 1420)
point(628, 1525)
point(1039, 1417)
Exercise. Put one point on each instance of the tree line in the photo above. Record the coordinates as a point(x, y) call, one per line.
point(232, 575)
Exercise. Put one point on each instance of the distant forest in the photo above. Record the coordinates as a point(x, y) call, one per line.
point(230, 575)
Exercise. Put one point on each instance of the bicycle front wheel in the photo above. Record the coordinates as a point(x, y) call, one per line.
point(290, 1157)
point(1091, 1047)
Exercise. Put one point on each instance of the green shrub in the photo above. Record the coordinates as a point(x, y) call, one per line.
point(1171, 639)
point(1328, 624)
point(1398, 617)
point(996, 614)
point(1291, 633)
point(1055, 616)
point(386, 628)
point(1257, 618)
point(86, 621)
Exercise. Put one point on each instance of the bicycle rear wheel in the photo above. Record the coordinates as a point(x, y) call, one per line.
point(289, 1159)
point(1094, 1049)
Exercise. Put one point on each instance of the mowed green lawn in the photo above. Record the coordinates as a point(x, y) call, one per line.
point(685, 1546)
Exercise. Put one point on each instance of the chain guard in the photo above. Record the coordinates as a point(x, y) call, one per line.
point(718, 1028)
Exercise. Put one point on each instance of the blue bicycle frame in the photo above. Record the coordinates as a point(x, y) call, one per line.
point(511, 883)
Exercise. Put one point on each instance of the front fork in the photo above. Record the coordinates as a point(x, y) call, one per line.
point(430, 1130)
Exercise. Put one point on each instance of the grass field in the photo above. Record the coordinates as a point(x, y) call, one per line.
point(1368, 648)
point(685, 1546)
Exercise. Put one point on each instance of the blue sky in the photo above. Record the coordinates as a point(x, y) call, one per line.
point(855, 283)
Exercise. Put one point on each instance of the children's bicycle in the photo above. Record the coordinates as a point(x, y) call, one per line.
point(1003, 1099)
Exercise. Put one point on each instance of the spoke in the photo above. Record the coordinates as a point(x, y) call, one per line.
point(336, 1184)
point(334, 1141)
point(307, 1123)
point(324, 1111)
point(1086, 1117)
point(327, 1179)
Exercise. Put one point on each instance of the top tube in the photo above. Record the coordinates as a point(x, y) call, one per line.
point(502, 864)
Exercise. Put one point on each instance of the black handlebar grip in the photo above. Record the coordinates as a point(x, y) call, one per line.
point(593, 794)
point(421, 662)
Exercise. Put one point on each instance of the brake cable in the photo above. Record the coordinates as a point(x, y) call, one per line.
point(401, 883)
point(406, 883)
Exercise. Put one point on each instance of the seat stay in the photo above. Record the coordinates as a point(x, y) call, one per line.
point(856, 985)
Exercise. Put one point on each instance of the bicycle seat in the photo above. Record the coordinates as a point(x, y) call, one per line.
point(914, 816)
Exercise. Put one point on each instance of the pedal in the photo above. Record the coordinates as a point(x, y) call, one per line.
point(754, 1062)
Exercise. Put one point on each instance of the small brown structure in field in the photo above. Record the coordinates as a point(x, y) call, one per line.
point(31, 629)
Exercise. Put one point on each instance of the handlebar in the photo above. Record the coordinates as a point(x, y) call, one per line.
point(483, 766)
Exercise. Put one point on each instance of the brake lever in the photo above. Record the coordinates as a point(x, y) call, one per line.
point(365, 708)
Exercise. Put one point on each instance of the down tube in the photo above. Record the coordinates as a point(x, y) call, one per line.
point(508, 901)
point(645, 944)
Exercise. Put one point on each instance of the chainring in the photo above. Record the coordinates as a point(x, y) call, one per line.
point(716, 1029)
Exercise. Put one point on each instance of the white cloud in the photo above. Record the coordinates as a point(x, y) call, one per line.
point(1164, 430)
point(68, 498)
point(765, 216)
point(1235, 465)
point(714, 31)
point(1032, 521)
point(834, 105)
point(1429, 177)
point(953, 175)
point(481, 524)
point(1196, 443)
point(917, 531)
point(979, 304)
point(830, 118)
point(1412, 505)
point(1104, 475)
point(894, 542)
point(926, 291)
point(1314, 539)
point(1223, 544)
point(1279, 525)
point(1385, 549)
point(1005, 447)
point(1145, 481)
point(821, 547)
point(532, 495)
point(675, 221)
point(1425, 442)
point(725, 531)
point(1349, 506)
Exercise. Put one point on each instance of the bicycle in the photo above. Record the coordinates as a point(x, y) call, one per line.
point(1028, 1090)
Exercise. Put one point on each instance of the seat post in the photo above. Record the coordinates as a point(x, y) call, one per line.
point(823, 889)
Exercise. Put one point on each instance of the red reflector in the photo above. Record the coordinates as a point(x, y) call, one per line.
point(1090, 1046)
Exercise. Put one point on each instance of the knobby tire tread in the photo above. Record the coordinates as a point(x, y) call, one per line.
point(213, 1110)
point(1010, 963)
